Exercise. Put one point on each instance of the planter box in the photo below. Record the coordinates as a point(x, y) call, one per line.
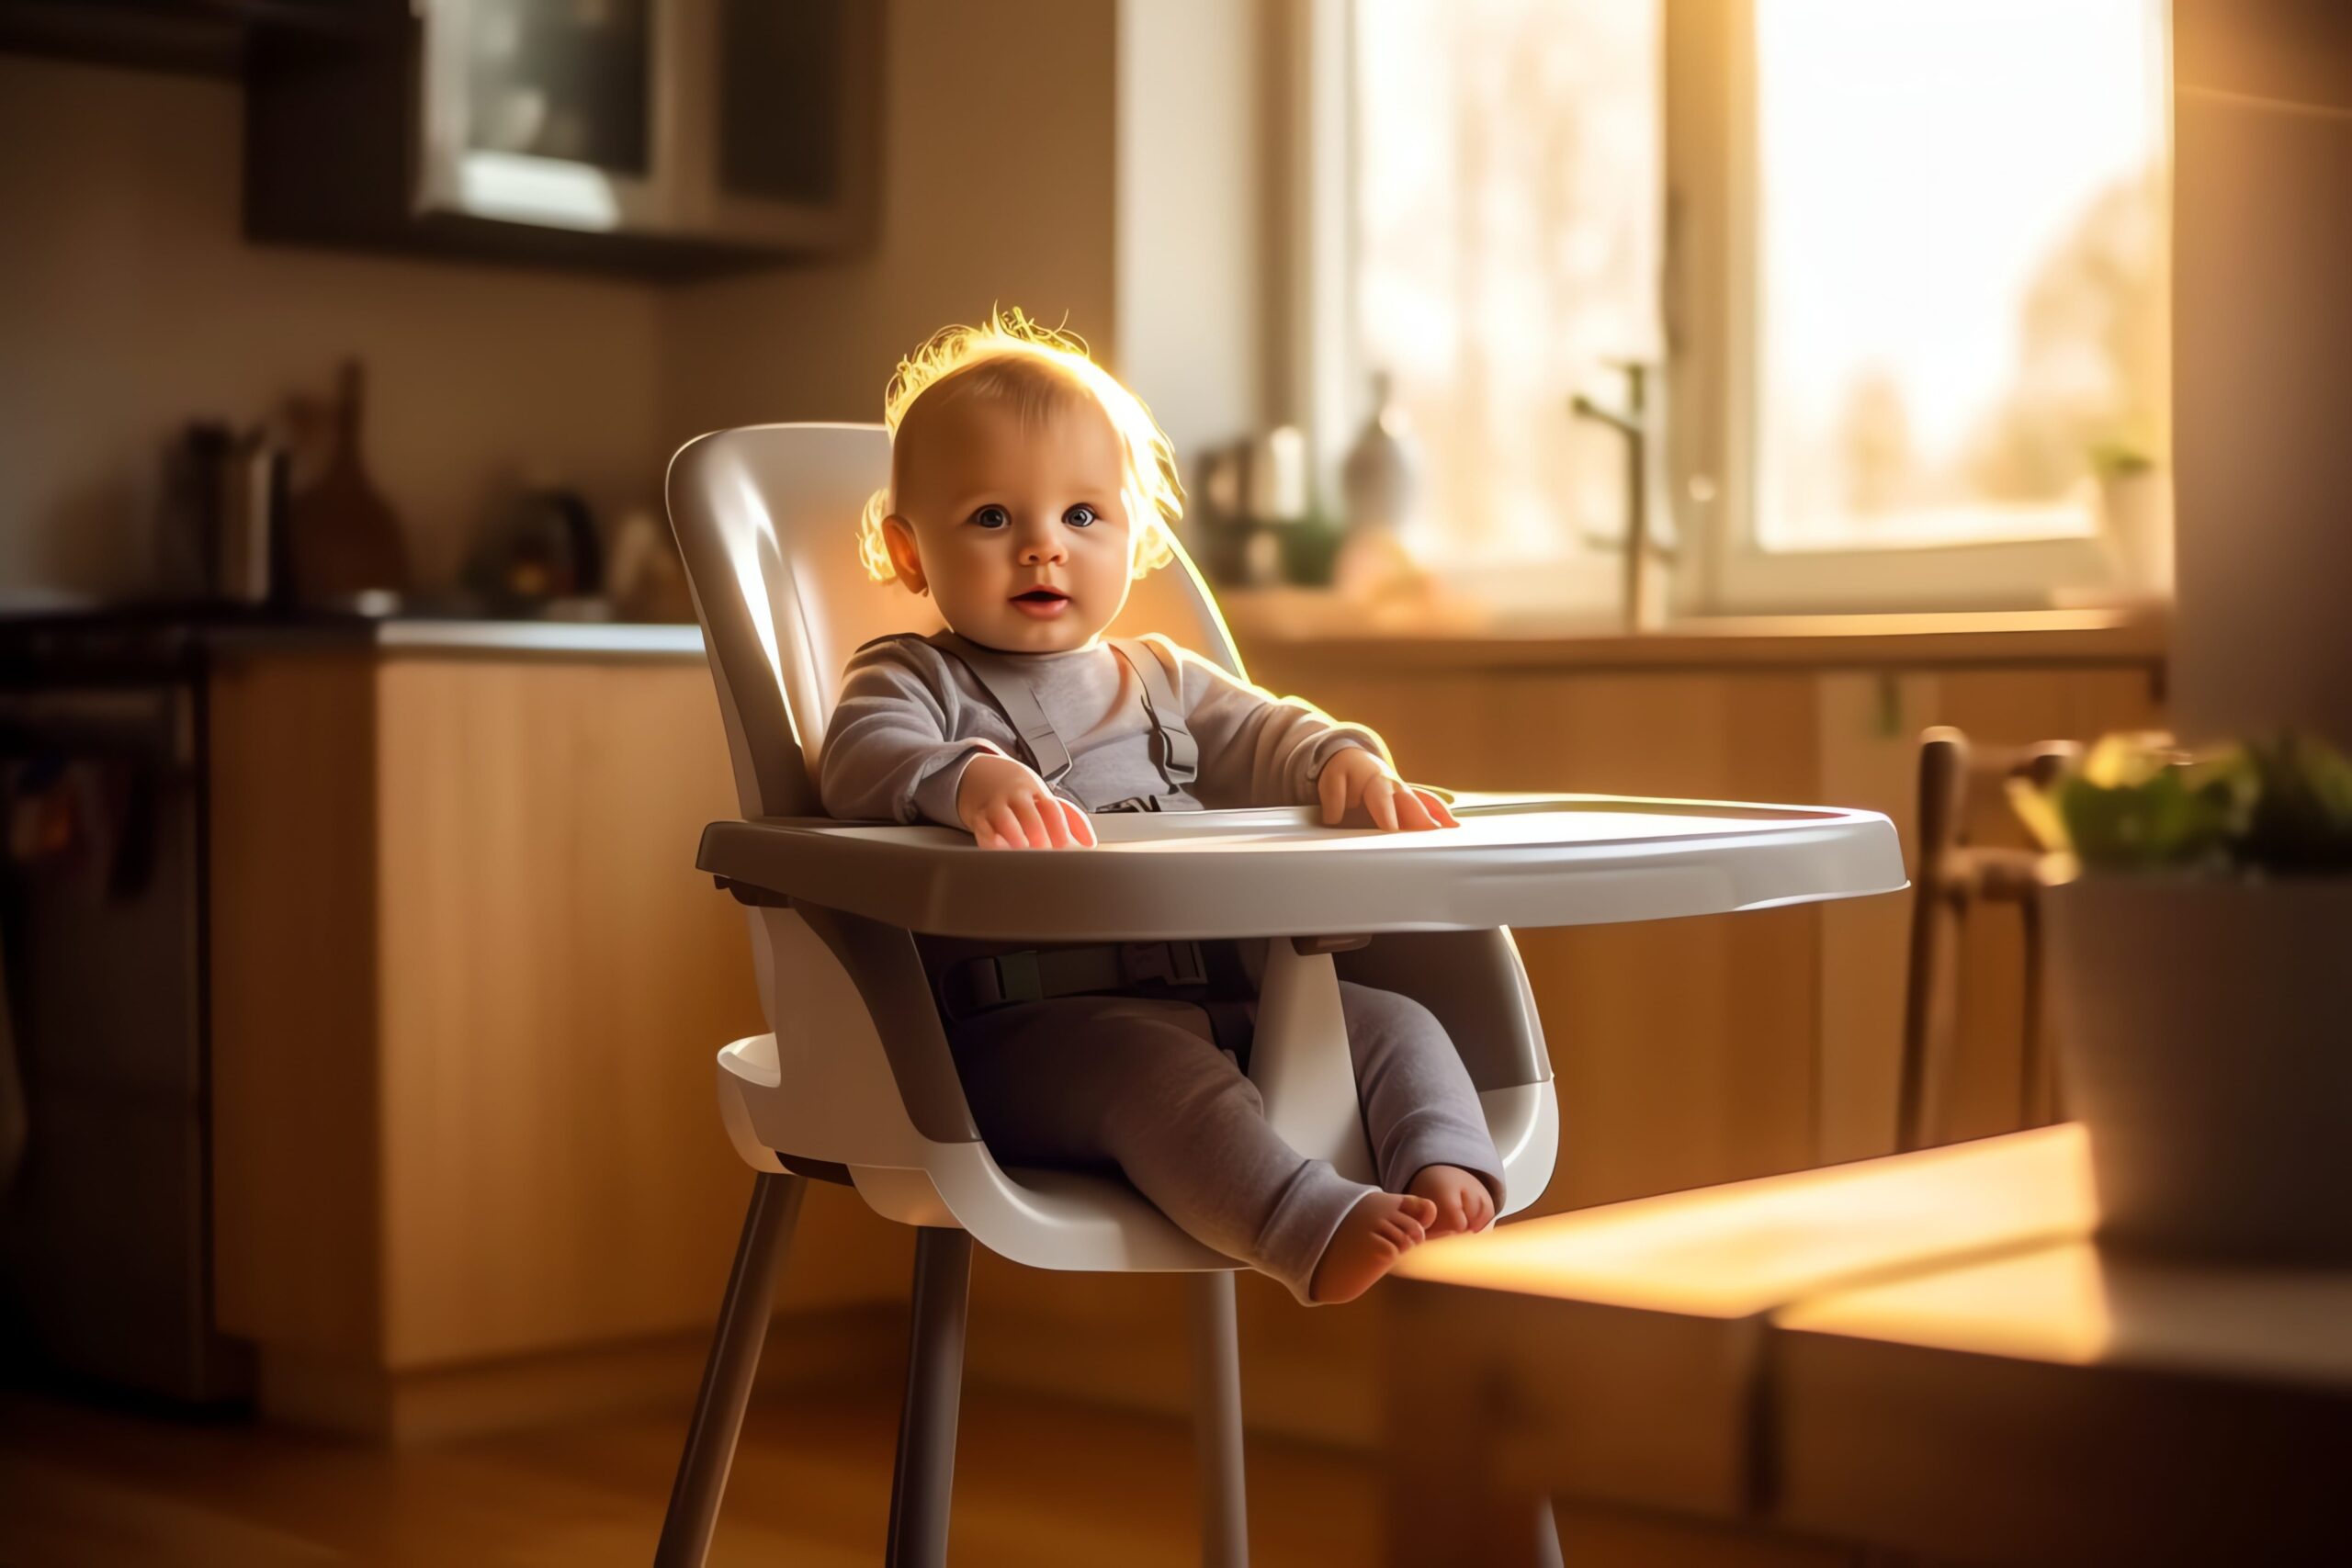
point(2206, 1043)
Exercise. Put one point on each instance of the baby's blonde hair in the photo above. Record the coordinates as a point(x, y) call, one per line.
point(1037, 368)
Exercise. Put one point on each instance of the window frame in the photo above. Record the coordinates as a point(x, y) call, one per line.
point(1709, 102)
point(1704, 461)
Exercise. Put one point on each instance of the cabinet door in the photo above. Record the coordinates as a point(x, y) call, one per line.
point(782, 97)
point(792, 117)
point(466, 991)
point(556, 979)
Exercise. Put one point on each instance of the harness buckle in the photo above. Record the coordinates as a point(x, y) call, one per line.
point(1178, 962)
point(1008, 978)
point(1133, 803)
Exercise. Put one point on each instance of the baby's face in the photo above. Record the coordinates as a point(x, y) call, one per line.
point(1018, 528)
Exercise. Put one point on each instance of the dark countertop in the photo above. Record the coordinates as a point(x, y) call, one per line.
point(142, 639)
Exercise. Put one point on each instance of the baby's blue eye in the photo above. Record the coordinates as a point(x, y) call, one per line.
point(1079, 516)
point(993, 517)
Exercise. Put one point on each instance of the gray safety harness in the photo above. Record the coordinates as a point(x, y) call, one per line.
point(1001, 673)
point(1211, 977)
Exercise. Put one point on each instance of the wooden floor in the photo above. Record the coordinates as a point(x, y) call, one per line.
point(1036, 1484)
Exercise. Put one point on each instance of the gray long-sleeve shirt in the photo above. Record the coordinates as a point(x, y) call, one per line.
point(911, 718)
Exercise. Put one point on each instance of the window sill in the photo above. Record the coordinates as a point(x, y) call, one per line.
point(1308, 623)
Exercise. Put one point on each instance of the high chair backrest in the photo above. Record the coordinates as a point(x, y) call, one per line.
point(766, 517)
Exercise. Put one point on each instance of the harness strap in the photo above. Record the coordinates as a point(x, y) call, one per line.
point(997, 980)
point(1047, 752)
point(1210, 974)
point(1180, 754)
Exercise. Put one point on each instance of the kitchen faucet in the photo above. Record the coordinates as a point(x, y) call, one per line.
point(1644, 606)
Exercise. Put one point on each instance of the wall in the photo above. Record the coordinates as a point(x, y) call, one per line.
point(129, 303)
point(2263, 217)
point(1191, 335)
point(998, 158)
point(1092, 162)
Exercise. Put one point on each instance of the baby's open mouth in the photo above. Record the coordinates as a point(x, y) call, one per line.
point(1040, 601)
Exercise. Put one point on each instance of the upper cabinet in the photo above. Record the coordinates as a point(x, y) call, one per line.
point(662, 137)
point(204, 38)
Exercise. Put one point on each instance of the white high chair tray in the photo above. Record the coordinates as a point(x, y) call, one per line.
point(1558, 860)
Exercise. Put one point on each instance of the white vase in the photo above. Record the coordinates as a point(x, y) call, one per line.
point(1381, 478)
point(2135, 519)
point(2205, 1041)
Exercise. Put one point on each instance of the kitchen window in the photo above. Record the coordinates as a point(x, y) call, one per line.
point(1894, 275)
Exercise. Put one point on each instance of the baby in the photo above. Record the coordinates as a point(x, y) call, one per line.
point(1028, 490)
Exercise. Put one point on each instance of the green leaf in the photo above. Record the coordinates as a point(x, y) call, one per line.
point(2302, 816)
point(2137, 804)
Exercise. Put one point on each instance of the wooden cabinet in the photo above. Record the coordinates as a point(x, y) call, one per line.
point(467, 989)
point(196, 37)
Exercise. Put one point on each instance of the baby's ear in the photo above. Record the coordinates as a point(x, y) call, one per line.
point(898, 538)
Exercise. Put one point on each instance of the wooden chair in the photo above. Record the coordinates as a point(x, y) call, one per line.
point(1953, 877)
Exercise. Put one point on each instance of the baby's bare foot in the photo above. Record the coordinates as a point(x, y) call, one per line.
point(1378, 1231)
point(1464, 1204)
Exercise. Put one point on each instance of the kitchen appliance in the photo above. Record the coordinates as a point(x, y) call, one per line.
point(224, 534)
point(106, 1231)
point(669, 138)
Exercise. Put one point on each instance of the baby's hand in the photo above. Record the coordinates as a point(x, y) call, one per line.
point(1356, 776)
point(1004, 806)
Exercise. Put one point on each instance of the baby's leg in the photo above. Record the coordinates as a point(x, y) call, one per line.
point(1141, 1082)
point(1428, 1133)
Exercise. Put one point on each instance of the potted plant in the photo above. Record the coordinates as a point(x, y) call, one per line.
point(2200, 919)
point(2135, 517)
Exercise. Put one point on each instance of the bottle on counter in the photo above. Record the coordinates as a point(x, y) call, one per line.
point(1379, 484)
point(344, 542)
point(1381, 478)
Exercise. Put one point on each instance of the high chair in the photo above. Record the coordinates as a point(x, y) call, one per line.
point(856, 1084)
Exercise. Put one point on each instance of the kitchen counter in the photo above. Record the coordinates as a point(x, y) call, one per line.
point(1305, 624)
point(1308, 625)
point(94, 640)
point(2011, 637)
point(1279, 626)
point(426, 635)
point(541, 636)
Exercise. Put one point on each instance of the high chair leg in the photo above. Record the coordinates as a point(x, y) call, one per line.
point(1547, 1535)
point(924, 1482)
point(726, 1377)
point(1216, 1420)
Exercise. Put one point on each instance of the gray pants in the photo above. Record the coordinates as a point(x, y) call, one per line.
point(1140, 1082)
